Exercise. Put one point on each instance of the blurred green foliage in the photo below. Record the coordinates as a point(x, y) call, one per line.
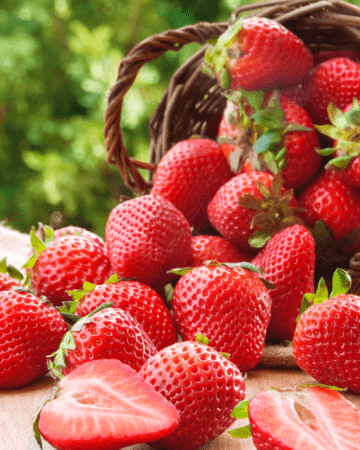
point(58, 59)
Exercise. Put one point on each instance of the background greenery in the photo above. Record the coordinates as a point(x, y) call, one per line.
point(58, 59)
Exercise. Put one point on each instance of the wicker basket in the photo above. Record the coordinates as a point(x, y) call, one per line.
point(193, 99)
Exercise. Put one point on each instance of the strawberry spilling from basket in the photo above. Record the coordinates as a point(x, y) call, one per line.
point(242, 215)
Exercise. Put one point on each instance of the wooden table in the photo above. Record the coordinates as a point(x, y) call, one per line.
point(18, 408)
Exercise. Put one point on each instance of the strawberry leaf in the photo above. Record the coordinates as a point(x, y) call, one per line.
point(341, 282)
point(306, 302)
point(241, 410)
point(271, 117)
point(341, 162)
point(201, 339)
point(180, 271)
point(241, 433)
point(254, 98)
point(325, 151)
point(37, 434)
point(267, 141)
point(336, 116)
point(37, 244)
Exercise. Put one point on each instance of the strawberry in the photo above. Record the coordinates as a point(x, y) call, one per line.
point(216, 248)
point(30, 330)
point(257, 53)
point(325, 55)
point(140, 301)
point(288, 260)
point(104, 405)
point(189, 175)
point(336, 80)
point(310, 417)
point(203, 386)
point(230, 305)
point(65, 264)
point(104, 333)
point(330, 199)
point(345, 132)
point(279, 134)
point(251, 207)
point(72, 230)
point(146, 237)
point(326, 344)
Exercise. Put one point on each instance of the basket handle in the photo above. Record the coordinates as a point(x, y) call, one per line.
point(147, 50)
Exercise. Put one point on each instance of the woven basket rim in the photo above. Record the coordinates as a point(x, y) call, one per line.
point(307, 16)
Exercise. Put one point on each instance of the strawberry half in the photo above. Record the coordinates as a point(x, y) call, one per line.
point(310, 417)
point(104, 405)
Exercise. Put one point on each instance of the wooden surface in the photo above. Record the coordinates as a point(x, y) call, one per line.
point(18, 408)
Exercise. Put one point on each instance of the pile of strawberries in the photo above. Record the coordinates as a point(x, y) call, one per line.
point(237, 244)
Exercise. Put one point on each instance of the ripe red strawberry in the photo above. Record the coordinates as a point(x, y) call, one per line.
point(72, 230)
point(336, 80)
point(230, 306)
point(282, 123)
point(323, 56)
point(104, 405)
point(107, 333)
point(202, 385)
point(140, 301)
point(288, 260)
point(330, 199)
point(216, 248)
point(146, 237)
point(310, 417)
point(30, 330)
point(7, 282)
point(326, 344)
point(271, 209)
point(189, 175)
point(258, 53)
point(65, 264)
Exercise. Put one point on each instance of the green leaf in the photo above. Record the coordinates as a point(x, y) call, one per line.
point(322, 292)
point(333, 132)
point(225, 79)
point(341, 162)
point(245, 265)
point(180, 271)
point(267, 284)
point(270, 117)
point(341, 282)
point(336, 116)
point(30, 263)
point(293, 126)
point(37, 244)
point(229, 36)
point(113, 279)
point(254, 98)
point(3, 266)
point(259, 238)
point(241, 433)
point(271, 163)
point(241, 410)
point(306, 302)
point(201, 339)
point(325, 151)
point(88, 318)
point(36, 430)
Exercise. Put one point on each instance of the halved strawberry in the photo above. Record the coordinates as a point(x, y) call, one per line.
point(104, 405)
point(310, 417)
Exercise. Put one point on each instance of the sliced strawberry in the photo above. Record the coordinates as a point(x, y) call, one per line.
point(104, 405)
point(312, 418)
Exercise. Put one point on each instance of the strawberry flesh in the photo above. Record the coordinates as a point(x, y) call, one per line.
point(313, 418)
point(104, 405)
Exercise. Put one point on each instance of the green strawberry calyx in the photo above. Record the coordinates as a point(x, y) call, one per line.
point(10, 270)
point(243, 264)
point(341, 283)
point(260, 129)
point(218, 56)
point(273, 211)
point(345, 131)
point(57, 360)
